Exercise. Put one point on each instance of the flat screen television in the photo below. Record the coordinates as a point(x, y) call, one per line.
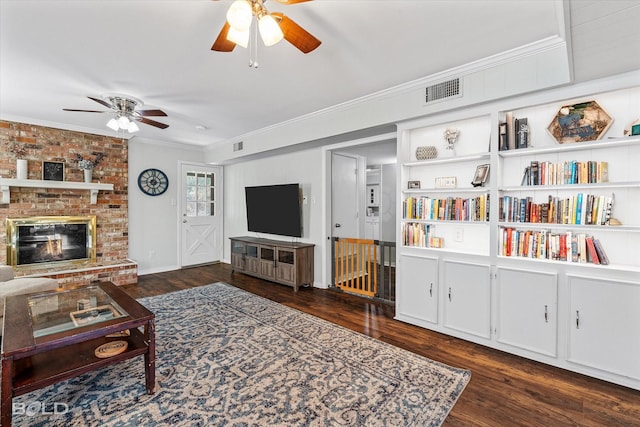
point(274, 209)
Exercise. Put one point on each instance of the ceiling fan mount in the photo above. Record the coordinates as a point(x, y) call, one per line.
point(126, 110)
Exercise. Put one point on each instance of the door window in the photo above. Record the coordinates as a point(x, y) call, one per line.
point(200, 194)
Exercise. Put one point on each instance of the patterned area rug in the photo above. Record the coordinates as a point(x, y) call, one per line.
point(226, 357)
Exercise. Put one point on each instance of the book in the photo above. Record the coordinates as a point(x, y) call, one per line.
point(602, 256)
point(522, 133)
point(591, 250)
point(511, 133)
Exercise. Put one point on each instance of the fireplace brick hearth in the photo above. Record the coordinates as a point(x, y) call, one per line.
point(111, 210)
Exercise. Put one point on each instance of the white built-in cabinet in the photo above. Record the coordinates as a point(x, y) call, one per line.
point(527, 310)
point(455, 275)
point(417, 295)
point(604, 325)
point(467, 306)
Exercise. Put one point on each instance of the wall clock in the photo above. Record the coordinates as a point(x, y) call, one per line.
point(153, 182)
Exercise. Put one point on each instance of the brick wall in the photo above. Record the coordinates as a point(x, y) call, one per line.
point(44, 143)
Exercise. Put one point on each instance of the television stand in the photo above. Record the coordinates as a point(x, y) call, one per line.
point(287, 263)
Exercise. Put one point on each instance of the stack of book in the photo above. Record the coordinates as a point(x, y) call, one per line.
point(543, 244)
point(447, 209)
point(514, 133)
point(582, 209)
point(569, 172)
point(419, 235)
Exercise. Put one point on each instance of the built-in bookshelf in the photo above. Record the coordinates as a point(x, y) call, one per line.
point(554, 227)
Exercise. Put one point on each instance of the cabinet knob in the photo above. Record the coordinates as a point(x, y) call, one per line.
point(338, 225)
point(577, 319)
point(431, 290)
point(449, 294)
point(546, 314)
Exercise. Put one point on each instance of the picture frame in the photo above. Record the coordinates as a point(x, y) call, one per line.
point(580, 122)
point(481, 175)
point(52, 171)
point(413, 185)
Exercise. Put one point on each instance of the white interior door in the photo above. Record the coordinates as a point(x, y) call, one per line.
point(344, 196)
point(200, 214)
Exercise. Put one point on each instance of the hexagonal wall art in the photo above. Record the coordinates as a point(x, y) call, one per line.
point(586, 121)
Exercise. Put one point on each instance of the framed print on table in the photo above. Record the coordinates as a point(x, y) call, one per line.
point(481, 175)
point(53, 171)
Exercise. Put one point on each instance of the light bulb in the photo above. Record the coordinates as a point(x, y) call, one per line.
point(113, 124)
point(269, 30)
point(239, 15)
point(241, 38)
point(123, 122)
point(133, 127)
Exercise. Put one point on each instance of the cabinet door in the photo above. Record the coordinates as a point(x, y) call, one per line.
point(286, 271)
point(237, 255)
point(417, 290)
point(267, 261)
point(467, 305)
point(527, 310)
point(604, 329)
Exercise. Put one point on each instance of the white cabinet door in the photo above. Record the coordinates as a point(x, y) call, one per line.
point(527, 310)
point(417, 289)
point(604, 330)
point(467, 305)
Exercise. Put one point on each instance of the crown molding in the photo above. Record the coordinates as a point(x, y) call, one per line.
point(502, 58)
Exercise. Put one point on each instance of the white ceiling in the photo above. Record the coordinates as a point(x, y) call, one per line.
point(53, 54)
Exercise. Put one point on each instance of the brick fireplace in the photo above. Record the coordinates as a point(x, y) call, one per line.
point(111, 208)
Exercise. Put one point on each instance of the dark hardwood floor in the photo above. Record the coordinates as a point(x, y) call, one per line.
point(505, 390)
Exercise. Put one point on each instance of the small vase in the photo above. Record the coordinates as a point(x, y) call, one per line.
point(88, 174)
point(21, 169)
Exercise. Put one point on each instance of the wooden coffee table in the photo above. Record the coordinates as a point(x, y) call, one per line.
point(50, 337)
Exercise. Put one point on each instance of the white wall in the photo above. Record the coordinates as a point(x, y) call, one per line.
point(304, 168)
point(153, 221)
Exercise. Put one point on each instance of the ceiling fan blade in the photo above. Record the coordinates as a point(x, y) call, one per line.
point(85, 111)
point(153, 123)
point(101, 101)
point(295, 34)
point(151, 113)
point(222, 44)
point(291, 1)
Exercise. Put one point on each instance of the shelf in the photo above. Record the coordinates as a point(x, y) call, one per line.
point(587, 227)
point(92, 187)
point(445, 250)
point(441, 221)
point(447, 190)
point(630, 184)
point(456, 159)
point(577, 146)
point(629, 268)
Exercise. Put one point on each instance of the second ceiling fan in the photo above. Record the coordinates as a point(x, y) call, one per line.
point(273, 27)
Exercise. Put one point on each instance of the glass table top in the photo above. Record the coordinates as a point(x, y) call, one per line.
point(53, 312)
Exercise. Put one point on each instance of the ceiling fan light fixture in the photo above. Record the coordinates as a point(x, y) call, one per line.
point(241, 38)
point(113, 124)
point(123, 122)
point(133, 127)
point(269, 30)
point(239, 15)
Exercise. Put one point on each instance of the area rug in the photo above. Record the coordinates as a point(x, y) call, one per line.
point(226, 357)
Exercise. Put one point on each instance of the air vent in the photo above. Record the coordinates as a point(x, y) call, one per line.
point(444, 90)
point(237, 146)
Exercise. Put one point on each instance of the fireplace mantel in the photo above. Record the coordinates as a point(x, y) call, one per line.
point(92, 187)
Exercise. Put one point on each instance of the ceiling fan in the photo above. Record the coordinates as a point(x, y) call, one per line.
point(126, 113)
point(272, 27)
